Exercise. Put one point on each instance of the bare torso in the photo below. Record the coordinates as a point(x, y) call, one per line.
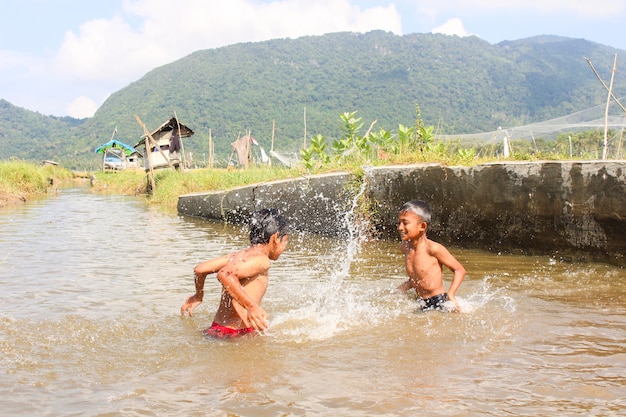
point(423, 269)
point(230, 312)
point(250, 267)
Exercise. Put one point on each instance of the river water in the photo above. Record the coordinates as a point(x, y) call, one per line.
point(90, 325)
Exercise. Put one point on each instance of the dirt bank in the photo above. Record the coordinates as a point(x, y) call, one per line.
point(7, 199)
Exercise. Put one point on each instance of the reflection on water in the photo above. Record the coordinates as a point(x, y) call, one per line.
point(89, 325)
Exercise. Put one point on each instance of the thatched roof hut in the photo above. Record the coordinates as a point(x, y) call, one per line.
point(165, 145)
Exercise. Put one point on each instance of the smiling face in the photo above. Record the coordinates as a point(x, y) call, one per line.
point(411, 226)
point(277, 246)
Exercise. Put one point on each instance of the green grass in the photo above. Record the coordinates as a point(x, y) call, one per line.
point(25, 179)
point(170, 184)
point(129, 182)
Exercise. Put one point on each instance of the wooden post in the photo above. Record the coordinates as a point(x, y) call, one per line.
point(571, 151)
point(210, 149)
point(180, 139)
point(534, 142)
point(248, 148)
point(272, 146)
point(606, 111)
point(605, 86)
point(619, 145)
point(147, 145)
point(149, 142)
point(304, 143)
point(153, 142)
point(104, 156)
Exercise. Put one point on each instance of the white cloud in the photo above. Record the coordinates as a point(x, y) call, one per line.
point(112, 52)
point(107, 49)
point(82, 107)
point(581, 8)
point(452, 27)
point(110, 48)
point(151, 33)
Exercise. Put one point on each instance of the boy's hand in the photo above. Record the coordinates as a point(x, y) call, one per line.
point(256, 318)
point(457, 308)
point(191, 303)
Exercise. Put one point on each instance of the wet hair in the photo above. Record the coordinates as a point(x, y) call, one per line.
point(266, 222)
point(419, 207)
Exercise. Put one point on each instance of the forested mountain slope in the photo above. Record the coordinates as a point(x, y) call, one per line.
point(462, 85)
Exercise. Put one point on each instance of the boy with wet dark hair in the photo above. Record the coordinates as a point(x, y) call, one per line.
point(244, 278)
point(424, 259)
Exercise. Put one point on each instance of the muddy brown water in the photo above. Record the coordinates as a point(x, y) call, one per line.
point(92, 285)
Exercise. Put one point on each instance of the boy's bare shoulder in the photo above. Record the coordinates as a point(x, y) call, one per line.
point(251, 256)
point(435, 247)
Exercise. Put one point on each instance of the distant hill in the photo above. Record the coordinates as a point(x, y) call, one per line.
point(462, 85)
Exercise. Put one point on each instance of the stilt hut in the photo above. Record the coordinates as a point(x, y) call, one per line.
point(118, 156)
point(163, 148)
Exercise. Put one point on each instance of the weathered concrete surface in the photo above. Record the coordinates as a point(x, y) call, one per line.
point(313, 204)
point(575, 210)
point(572, 209)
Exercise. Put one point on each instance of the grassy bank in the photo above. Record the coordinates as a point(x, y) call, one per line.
point(20, 181)
point(169, 184)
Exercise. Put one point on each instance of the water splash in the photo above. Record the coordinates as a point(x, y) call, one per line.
point(337, 299)
point(485, 295)
point(356, 232)
point(329, 306)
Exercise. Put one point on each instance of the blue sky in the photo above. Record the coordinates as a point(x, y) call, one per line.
point(65, 57)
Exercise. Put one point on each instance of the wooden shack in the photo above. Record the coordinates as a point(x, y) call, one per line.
point(164, 148)
point(118, 156)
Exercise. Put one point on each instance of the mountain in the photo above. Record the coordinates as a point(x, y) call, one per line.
point(462, 85)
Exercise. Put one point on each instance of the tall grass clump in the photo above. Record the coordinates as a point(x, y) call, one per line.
point(127, 182)
point(169, 184)
point(26, 179)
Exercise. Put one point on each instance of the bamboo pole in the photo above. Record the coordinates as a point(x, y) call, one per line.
point(248, 150)
point(304, 143)
point(605, 149)
point(604, 84)
point(570, 147)
point(210, 149)
point(150, 170)
point(370, 129)
point(618, 152)
point(104, 156)
point(180, 138)
point(153, 142)
point(148, 151)
point(272, 146)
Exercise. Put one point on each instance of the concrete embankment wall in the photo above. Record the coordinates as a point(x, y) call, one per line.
point(573, 210)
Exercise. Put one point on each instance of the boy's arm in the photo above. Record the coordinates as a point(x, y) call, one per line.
point(405, 286)
point(200, 273)
point(206, 268)
point(230, 278)
point(446, 258)
point(459, 274)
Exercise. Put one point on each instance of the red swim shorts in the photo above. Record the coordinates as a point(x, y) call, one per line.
point(223, 332)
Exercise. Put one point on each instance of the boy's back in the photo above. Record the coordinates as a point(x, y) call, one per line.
point(250, 267)
point(244, 278)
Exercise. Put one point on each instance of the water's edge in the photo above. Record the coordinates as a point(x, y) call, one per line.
point(575, 209)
